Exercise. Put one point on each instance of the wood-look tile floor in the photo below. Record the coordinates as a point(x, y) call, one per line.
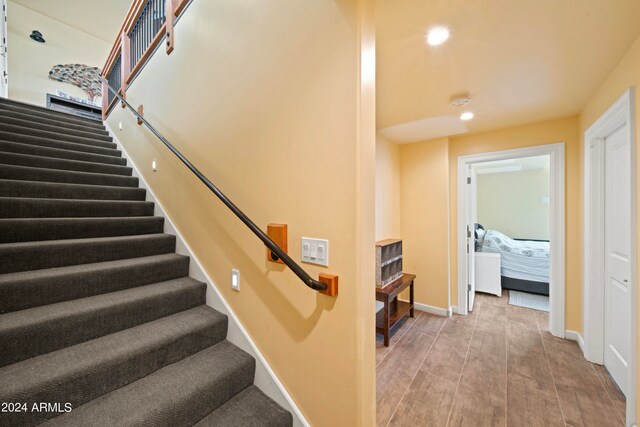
point(499, 366)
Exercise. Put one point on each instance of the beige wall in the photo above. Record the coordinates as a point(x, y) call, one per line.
point(425, 219)
point(275, 104)
point(29, 62)
point(510, 202)
point(625, 75)
point(387, 189)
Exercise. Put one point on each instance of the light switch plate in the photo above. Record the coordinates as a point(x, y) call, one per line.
point(315, 251)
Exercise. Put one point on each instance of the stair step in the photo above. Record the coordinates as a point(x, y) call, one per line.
point(27, 173)
point(37, 110)
point(32, 332)
point(29, 130)
point(37, 229)
point(32, 123)
point(58, 190)
point(60, 153)
point(16, 207)
point(61, 164)
point(56, 141)
point(249, 408)
point(53, 143)
point(28, 289)
point(27, 116)
point(199, 385)
point(158, 352)
point(25, 256)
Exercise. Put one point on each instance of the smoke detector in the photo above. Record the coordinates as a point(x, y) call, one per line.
point(460, 100)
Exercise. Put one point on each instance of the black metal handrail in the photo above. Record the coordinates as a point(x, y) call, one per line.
point(278, 253)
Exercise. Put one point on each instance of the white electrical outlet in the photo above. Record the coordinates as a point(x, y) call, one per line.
point(154, 165)
point(315, 251)
point(235, 279)
point(120, 125)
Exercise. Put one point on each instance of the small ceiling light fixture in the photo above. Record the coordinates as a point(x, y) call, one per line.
point(37, 36)
point(437, 35)
point(466, 116)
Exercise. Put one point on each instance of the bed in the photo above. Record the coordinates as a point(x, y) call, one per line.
point(524, 263)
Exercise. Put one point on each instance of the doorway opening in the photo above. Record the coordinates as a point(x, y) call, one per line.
point(610, 289)
point(513, 261)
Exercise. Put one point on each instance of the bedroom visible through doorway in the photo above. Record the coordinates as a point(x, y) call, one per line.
point(511, 230)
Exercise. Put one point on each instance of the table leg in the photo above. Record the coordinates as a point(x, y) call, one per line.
point(411, 299)
point(387, 319)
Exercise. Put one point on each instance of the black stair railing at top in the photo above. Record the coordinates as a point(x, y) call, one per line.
point(114, 78)
point(149, 22)
point(278, 253)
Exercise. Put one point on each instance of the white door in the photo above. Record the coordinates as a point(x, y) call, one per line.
point(4, 78)
point(617, 212)
point(472, 215)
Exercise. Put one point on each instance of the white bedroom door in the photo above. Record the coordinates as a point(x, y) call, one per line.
point(4, 78)
point(472, 215)
point(617, 257)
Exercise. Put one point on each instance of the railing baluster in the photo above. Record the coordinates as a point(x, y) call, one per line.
point(143, 31)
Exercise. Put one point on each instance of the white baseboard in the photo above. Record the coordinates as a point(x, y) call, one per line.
point(577, 337)
point(431, 309)
point(453, 309)
point(265, 378)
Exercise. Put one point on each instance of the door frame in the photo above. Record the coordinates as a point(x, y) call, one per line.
point(557, 226)
point(620, 114)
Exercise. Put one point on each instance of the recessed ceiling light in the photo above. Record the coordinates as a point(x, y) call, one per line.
point(437, 35)
point(466, 116)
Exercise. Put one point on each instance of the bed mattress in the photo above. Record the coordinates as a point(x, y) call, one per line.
point(525, 260)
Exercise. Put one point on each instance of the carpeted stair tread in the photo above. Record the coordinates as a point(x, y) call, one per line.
point(8, 115)
point(96, 308)
point(6, 104)
point(249, 408)
point(53, 142)
point(71, 136)
point(27, 173)
point(59, 153)
point(91, 369)
point(27, 289)
point(25, 256)
point(63, 145)
point(198, 385)
point(39, 229)
point(59, 190)
point(78, 131)
point(32, 332)
point(19, 207)
point(63, 164)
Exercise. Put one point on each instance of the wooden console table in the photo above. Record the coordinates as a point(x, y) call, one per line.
point(394, 309)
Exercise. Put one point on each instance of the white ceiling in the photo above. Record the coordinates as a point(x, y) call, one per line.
point(425, 129)
point(101, 19)
point(522, 61)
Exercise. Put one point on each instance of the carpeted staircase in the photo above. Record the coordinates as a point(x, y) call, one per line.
point(96, 308)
